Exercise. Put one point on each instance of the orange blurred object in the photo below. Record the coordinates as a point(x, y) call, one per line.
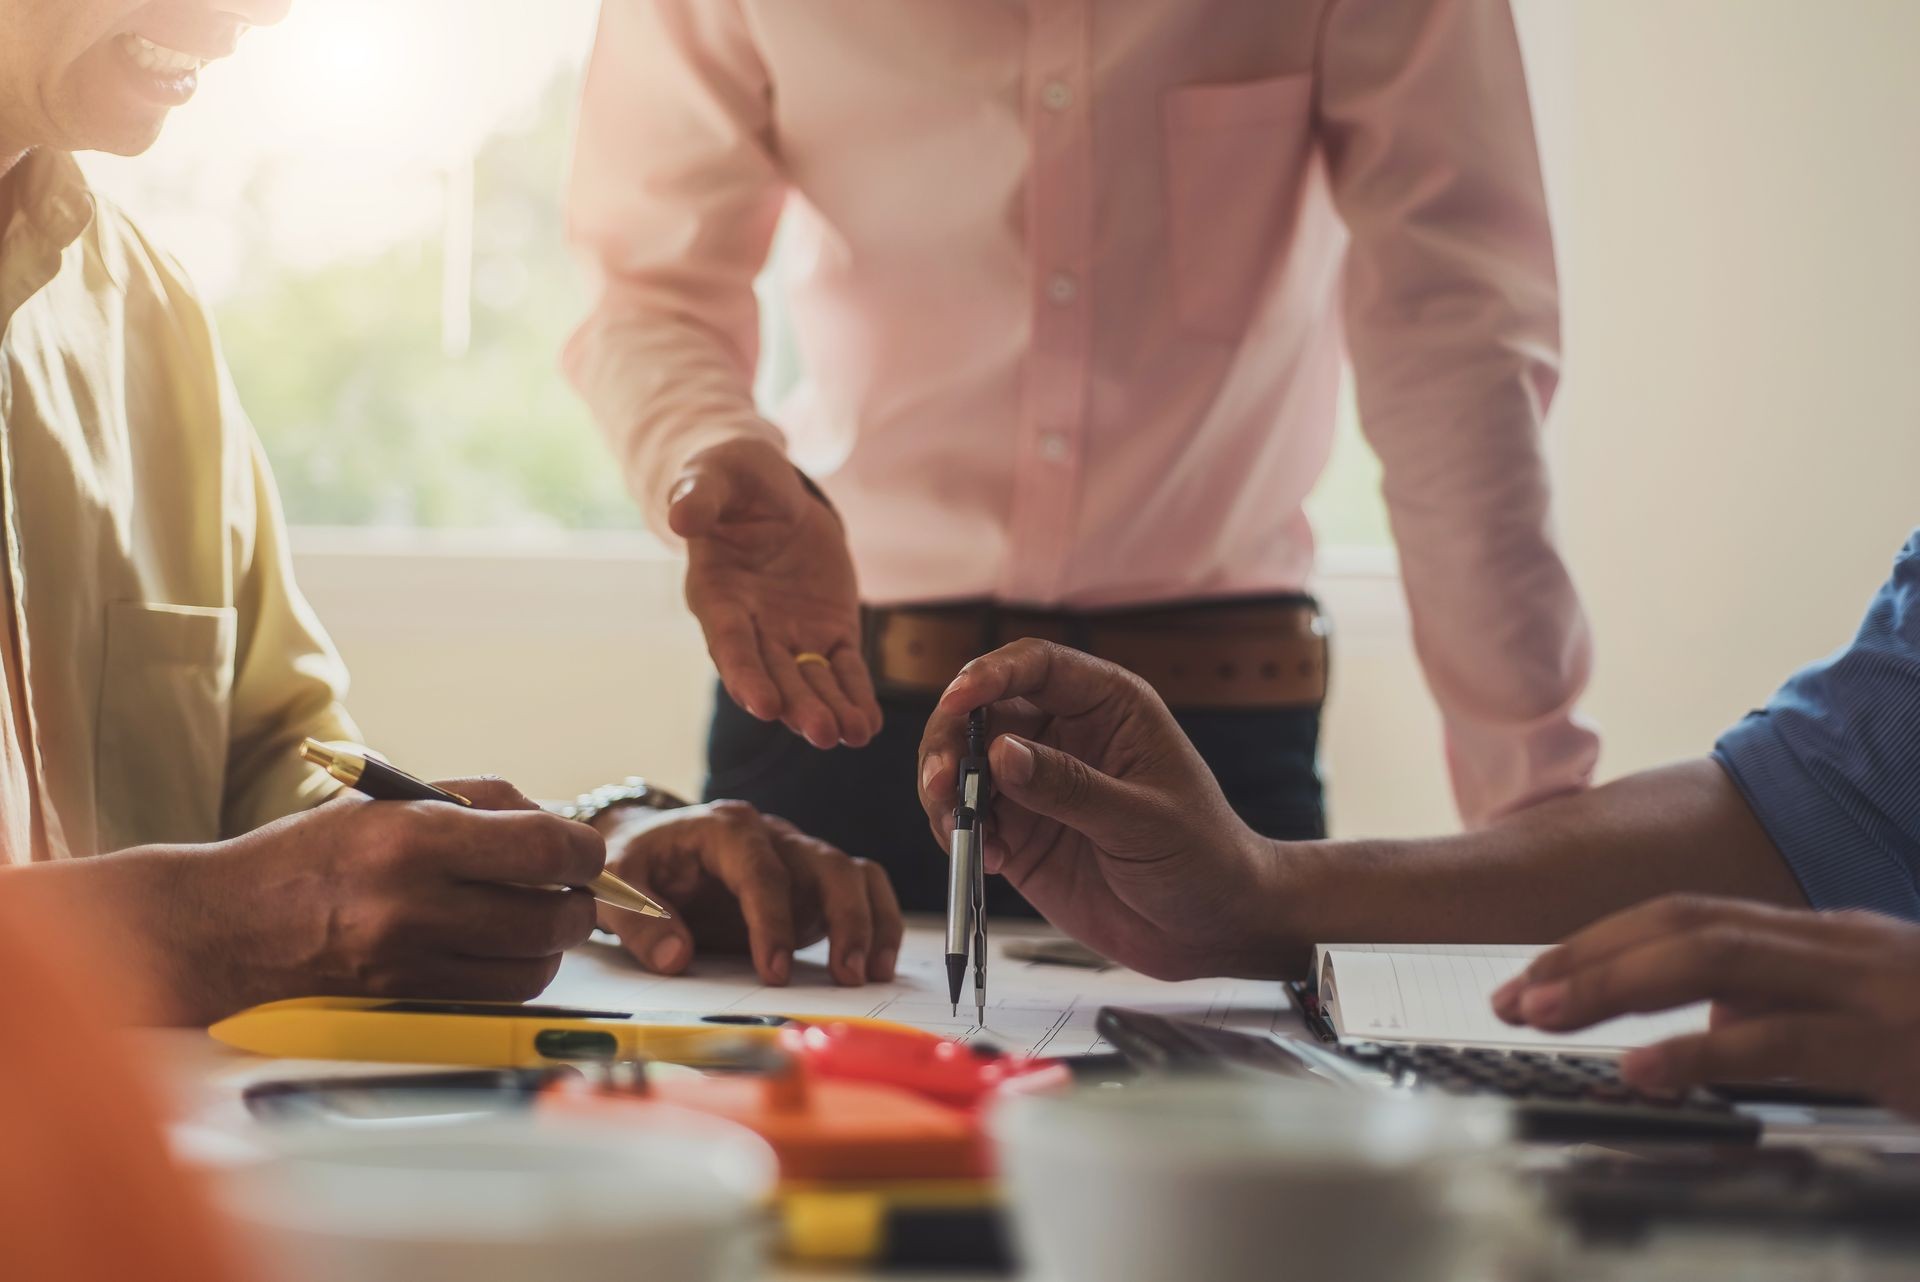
point(819, 1129)
point(88, 1192)
point(845, 1101)
point(947, 1072)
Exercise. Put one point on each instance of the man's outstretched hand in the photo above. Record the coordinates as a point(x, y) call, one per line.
point(1829, 999)
point(770, 579)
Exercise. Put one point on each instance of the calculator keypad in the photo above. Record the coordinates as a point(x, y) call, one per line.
point(1515, 1075)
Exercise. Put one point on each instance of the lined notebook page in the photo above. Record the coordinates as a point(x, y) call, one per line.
point(1442, 993)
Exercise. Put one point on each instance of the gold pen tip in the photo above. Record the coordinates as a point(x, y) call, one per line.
point(313, 752)
point(609, 889)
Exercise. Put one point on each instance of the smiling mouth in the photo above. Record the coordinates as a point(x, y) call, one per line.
point(158, 60)
point(169, 64)
point(162, 76)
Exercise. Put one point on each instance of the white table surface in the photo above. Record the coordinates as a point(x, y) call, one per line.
point(207, 1079)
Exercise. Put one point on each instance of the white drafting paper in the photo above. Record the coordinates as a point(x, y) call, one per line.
point(1033, 1008)
point(1443, 994)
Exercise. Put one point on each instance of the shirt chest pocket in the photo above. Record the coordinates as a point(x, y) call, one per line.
point(1237, 161)
point(164, 714)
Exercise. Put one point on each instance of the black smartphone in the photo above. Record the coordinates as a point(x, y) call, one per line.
point(401, 1097)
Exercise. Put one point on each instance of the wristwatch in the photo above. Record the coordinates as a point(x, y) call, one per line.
point(634, 791)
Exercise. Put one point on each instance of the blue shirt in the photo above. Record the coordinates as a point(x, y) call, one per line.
point(1832, 765)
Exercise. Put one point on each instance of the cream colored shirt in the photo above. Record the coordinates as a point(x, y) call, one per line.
point(169, 665)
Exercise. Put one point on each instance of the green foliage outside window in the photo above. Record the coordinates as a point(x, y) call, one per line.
point(369, 422)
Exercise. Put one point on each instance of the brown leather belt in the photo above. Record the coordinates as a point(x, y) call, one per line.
point(1265, 652)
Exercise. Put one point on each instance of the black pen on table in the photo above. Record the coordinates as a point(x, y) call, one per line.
point(967, 871)
point(374, 778)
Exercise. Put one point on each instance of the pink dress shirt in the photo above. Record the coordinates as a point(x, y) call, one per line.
point(1072, 282)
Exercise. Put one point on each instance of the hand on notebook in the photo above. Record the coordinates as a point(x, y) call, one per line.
point(1829, 999)
point(740, 882)
point(1104, 815)
point(770, 579)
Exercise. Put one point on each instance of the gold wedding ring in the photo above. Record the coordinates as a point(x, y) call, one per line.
point(811, 657)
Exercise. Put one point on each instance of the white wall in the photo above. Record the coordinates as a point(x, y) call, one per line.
point(1738, 436)
point(1741, 430)
point(560, 668)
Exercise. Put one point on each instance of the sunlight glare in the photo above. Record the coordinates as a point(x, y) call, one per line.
point(345, 120)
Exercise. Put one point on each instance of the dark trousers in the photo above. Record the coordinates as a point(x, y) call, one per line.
point(866, 800)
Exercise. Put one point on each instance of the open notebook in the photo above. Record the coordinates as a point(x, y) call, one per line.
point(1441, 993)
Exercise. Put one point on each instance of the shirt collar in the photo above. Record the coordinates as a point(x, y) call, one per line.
point(52, 208)
point(52, 193)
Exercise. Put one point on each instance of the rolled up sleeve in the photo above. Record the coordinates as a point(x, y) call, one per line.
point(673, 200)
point(1831, 766)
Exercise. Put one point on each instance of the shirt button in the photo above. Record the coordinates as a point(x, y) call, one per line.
point(1054, 446)
point(1062, 288)
point(1057, 95)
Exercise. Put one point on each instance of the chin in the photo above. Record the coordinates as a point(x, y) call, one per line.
point(130, 143)
point(124, 134)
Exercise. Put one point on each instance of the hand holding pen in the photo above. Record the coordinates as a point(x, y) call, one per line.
point(355, 899)
point(1105, 818)
point(747, 883)
point(372, 777)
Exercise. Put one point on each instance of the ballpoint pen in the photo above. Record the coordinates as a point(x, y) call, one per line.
point(374, 778)
point(967, 872)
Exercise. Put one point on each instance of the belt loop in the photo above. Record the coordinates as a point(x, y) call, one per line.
point(1323, 632)
point(870, 620)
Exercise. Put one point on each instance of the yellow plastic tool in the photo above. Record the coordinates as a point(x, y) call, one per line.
point(501, 1034)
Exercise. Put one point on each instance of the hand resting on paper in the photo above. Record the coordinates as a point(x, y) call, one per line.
point(741, 882)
